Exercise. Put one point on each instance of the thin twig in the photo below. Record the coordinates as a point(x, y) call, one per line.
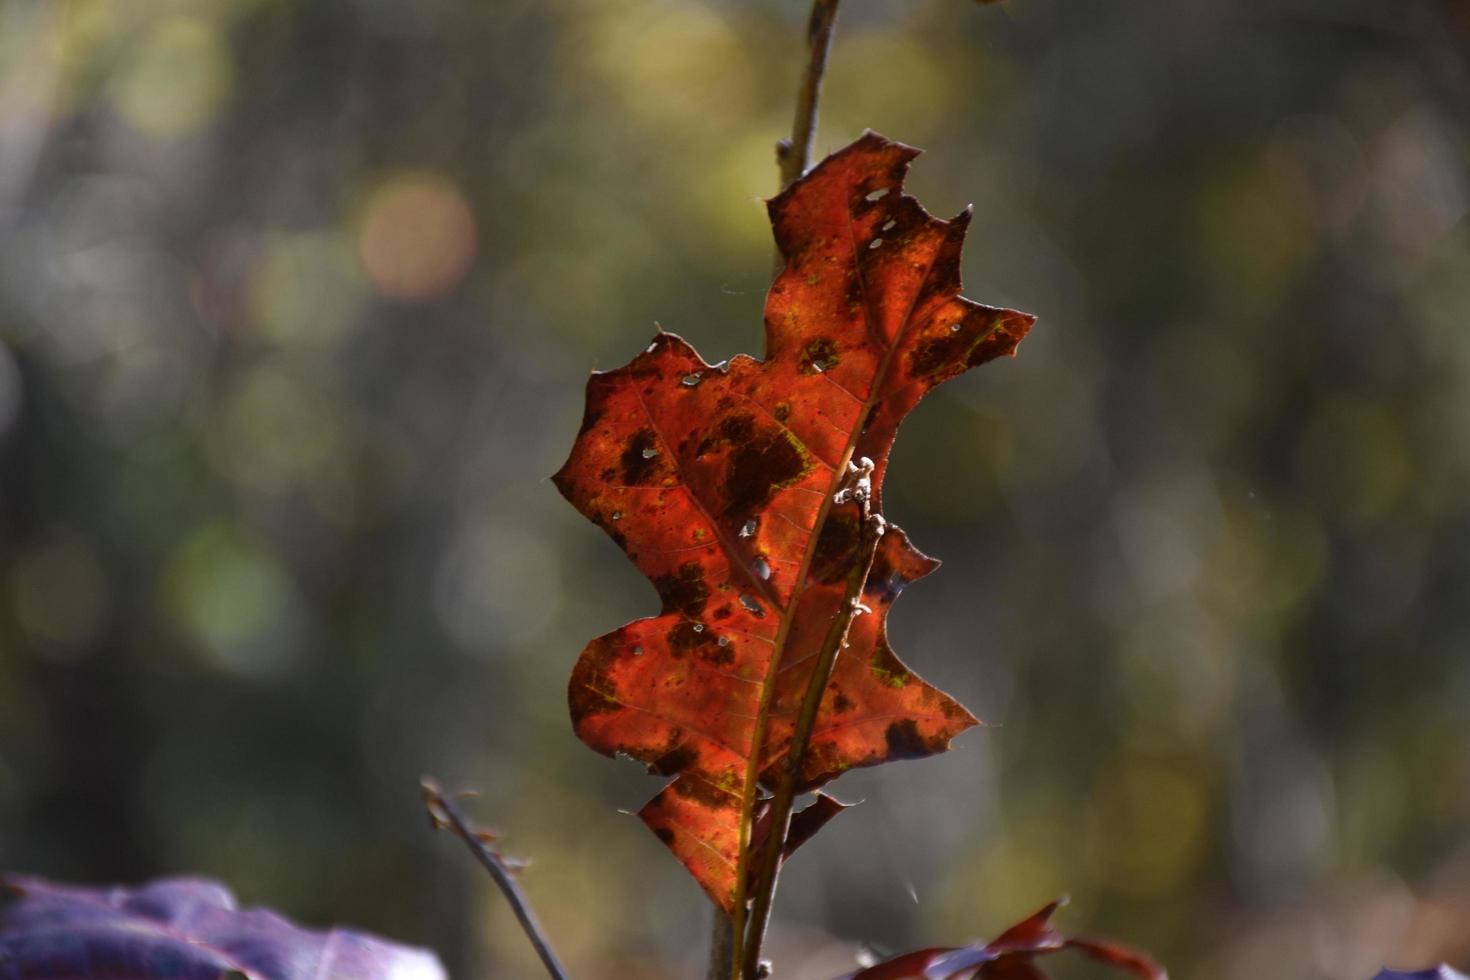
point(445, 814)
point(794, 155)
point(764, 888)
point(721, 946)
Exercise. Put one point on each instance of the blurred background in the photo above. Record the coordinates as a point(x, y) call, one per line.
point(297, 300)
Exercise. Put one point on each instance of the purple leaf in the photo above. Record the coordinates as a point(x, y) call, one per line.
point(181, 929)
point(1010, 956)
point(1441, 972)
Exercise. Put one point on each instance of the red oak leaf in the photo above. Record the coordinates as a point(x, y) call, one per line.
point(719, 483)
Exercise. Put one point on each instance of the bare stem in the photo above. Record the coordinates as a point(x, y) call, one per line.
point(794, 155)
point(739, 931)
point(763, 890)
point(721, 946)
point(445, 814)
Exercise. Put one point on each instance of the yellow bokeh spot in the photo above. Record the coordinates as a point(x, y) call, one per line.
point(228, 593)
point(177, 79)
point(1269, 558)
point(281, 431)
point(307, 289)
point(739, 174)
point(674, 62)
point(1354, 458)
point(417, 237)
point(860, 91)
point(1146, 827)
point(1254, 236)
point(1027, 863)
point(59, 592)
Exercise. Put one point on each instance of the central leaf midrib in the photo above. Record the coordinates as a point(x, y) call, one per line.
point(799, 588)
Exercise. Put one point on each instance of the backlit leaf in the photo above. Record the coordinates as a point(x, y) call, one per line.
point(718, 482)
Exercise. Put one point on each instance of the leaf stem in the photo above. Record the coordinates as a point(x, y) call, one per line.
point(794, 155)
point(721, 946)
point(793, 158)
point(445, 814)
point(764, 888)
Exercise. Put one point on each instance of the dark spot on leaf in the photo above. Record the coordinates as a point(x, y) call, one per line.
point(638, 467)
point(687, 637)
point(696, 638)
point(782, 412)
point(905, 742)
point(1002, 336)
point(587, 692)
point(723, 612)
point(684, 592)
point(664, 834)
point(760, 464)
point(841, 703)
point(885, 666)
point(593, 416)
point(883, 588)
point(836, 547)
point(934, 354)
point(674, 761)
point(732, 429)
point(819, 355)
point(737, 428)
point(692, 787)
point(609, 475)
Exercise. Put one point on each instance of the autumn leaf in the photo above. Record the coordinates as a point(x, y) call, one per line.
point(719, 483)
point(1011, 956)
point(181, 929)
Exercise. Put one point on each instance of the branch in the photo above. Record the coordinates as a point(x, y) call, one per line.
point(794, 155)
point(764, 889)
point(445, 815)
point(721, 946)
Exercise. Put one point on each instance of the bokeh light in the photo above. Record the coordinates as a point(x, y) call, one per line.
point(417, 237)
point(175, 78)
